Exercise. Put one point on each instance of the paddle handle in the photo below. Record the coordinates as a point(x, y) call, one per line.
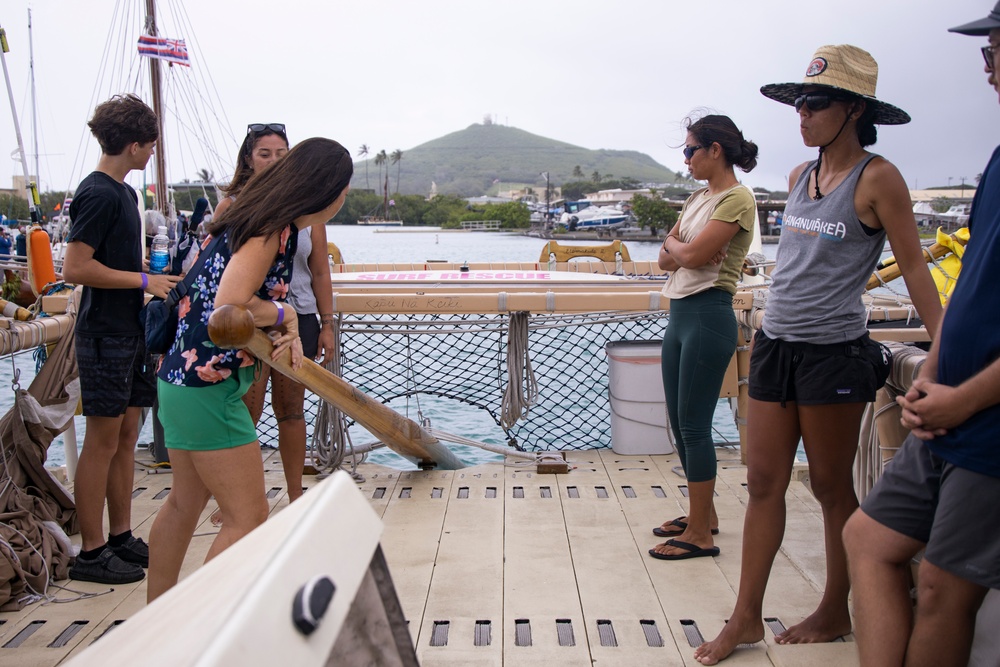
point(228, 328)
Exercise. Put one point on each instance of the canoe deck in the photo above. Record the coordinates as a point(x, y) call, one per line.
point(496, 564)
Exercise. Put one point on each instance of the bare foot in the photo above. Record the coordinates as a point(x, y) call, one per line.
point(216, 518)
point(734, 634)
point(821, 626)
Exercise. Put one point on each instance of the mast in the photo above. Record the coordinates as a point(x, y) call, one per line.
point(159, 157)
point(34, 105)
point(33, 201)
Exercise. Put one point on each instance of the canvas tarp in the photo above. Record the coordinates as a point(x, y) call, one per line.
point(35, 508)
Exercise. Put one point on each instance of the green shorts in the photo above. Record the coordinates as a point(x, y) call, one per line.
point(207, 418)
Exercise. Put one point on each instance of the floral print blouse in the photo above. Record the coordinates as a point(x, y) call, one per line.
point(194, 360)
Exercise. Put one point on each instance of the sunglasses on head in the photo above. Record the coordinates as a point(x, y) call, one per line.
point(279, 128)
point(817, 101)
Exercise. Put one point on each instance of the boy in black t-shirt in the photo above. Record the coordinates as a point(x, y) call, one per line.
point(104, 254)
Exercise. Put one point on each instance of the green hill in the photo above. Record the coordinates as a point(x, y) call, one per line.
point(467, 163)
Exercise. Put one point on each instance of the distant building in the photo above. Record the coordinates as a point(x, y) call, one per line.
point(615, 196)
point(957, 194)
point(485, 199)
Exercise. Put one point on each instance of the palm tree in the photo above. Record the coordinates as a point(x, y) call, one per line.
point(397, 157)
point(380, 159)
point(363, 152)
point(596, 176)
point(577, 172)
point(205, 176)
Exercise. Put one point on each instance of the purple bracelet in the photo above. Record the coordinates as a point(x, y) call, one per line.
point(281, 314)
point(145, 280)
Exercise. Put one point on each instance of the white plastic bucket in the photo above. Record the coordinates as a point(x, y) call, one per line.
point(638, 408)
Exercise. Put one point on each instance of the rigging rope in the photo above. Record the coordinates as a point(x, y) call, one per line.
point(522, 387)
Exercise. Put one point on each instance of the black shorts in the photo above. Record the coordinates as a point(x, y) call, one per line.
point(811, 374)
point(116, 373)
point(309, 333)
point(954, 511)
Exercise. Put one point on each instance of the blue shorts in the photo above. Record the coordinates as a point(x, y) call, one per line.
point(116, 373)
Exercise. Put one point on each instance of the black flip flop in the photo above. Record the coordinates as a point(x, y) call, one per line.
point(693, 551)
point(682, 525)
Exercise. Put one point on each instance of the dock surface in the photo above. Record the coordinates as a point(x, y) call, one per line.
point(498, 565)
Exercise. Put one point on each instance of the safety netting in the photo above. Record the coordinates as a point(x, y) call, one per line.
point(542, 378)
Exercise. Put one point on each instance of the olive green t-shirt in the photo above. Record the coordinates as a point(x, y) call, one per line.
point(735, 205)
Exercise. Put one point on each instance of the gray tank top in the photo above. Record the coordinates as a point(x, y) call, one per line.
point(300, 291)
point(825, 257)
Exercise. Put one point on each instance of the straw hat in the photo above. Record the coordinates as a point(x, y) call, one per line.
point(842, 67)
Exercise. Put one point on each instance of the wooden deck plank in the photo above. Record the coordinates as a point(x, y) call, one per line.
point(412, 537)
point(834, 654)
point(615, 590)
point(539, 578)
point(467, 584)
point(379, 486)
point(691, 590)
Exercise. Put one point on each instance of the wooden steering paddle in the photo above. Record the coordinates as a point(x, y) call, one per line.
point(232, 327)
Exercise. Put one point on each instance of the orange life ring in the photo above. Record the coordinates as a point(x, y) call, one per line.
point(41, 269)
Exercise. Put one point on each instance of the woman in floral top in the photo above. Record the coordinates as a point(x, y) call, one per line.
point(207, 428)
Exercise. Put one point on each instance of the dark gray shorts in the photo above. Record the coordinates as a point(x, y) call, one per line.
point(309, 333)
point(954, 511)
point(116, 373)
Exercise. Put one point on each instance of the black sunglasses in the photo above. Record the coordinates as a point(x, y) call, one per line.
point(988, 53)
point(279, 128)
point(817, 101)
point(689, 151)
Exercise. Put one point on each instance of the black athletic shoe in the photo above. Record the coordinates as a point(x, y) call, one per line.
point(133, 551)
point(107, 568)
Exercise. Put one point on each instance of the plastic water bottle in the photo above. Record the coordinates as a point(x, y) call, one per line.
point(159, 251)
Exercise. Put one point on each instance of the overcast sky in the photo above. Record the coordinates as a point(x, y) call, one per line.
point(394, 74)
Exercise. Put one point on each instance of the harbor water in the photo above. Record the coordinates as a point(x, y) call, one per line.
point(385, 244)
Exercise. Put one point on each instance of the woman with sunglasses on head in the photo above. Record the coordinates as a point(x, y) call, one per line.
point(813, 366)
point(704, 251)
point(309, 288)
point(207, 428)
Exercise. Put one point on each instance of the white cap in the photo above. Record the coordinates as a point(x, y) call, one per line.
point(161, 230)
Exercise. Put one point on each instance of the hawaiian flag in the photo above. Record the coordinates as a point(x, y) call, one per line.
point(171, 50)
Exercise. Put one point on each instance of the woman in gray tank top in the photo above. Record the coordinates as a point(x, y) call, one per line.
point(813, 367)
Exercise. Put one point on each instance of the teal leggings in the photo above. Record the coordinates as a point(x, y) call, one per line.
point(697, 346)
